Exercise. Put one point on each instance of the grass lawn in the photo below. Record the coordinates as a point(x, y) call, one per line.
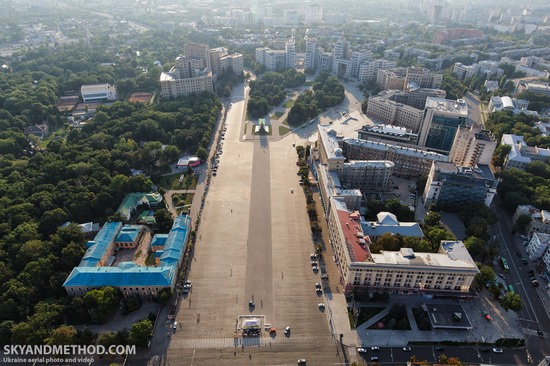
point(283, 130)
point(289, 103)
point(182, 201)
point(172, 182)
point(285, 122)
point(151, 260)
point(276, 115)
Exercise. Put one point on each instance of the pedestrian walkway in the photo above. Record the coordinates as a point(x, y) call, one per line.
point(412, 321)
point(374, 319)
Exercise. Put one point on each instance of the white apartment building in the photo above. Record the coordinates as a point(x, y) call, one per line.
point(221, 60)
point(311, 59)
point(520, 154)
point(277, 59)
point(172, 86)
point(538, 246)
point(408, 162)
point(98, 92)
point(330, 152)
point(368, 70)
point(195, 51)
point(472, 147)
point(489, 68)
point(394, 113)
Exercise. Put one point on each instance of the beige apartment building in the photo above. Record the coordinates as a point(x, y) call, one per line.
point(394, 113)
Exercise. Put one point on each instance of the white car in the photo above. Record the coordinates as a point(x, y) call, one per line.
point(175, 326)
point(321, 305)
point(287, 330)
point(362, 350)
point(497, 350)
point(375, 348)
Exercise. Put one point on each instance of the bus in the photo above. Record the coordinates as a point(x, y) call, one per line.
point(504, 264)
point(511, 289)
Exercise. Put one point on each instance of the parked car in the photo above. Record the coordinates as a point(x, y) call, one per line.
point(535, 283)
point(440, 348)
point(313, 257)
point(486, 315)
point(540, 333)
point(497, 350)
point(321, 306)
point(524, 261)
point(374, 358)
point(287, 330)
point(407, 349)
point(375, 348)
point(324, 276)
point(502, 276)
point(362, 350)
point(175, 326)
point(315, 269)
point(302, 361)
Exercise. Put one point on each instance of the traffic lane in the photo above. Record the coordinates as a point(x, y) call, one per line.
point(539, 348)
point(465, 354)
point(384, 354)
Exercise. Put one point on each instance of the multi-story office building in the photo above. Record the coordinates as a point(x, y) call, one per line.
point(330, 186)
point(540, 219)
point(391, 79)
point(440, 123)
point(277, 59)
point(537, 246)
point(394, 113)
point(368, 70)
point(198, 52)
point(408, 162)
point(487, 68)
point(330, 152)
point(192, 73)
point(471, 147)
point(452, 187)
point(98, 92)
point(313, 13)
point(291, 16)
point(443, 36)
point(422, 78)
point(221, 60)
point(367, 175)
point(358, 58)
point(311, 60)
point(413, 97)
point(173, 85)
point(520, 154)
point(387, 133)
point(533, 87)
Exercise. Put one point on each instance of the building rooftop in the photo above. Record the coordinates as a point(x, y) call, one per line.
point(356, 242)
point(389, 130)
point(398, 149)
point(328, 137)
point(451, 254)
point(456, 107)
point(93, 87)
point(370, 163)
point(388, 223)
point(481, 171)
point(132, 200)
point(128, 234)
point(98, 246)
point(130, 274)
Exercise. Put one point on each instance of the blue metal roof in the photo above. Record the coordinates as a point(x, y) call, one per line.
point(129, 274)
point(99, 245)
point(174, 246)
point(122, 276)
point(158, 240)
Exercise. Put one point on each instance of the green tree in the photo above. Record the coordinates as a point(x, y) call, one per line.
point(62, 335)
point(140, 333)
point(511, 301)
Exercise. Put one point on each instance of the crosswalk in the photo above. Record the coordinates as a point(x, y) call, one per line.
point(217, 343)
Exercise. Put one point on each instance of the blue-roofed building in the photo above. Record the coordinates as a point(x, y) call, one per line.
point(129, 236)
point(129, 277)
point(99, 249)
point(133, 200)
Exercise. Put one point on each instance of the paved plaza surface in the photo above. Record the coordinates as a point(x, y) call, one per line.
point(253, 240)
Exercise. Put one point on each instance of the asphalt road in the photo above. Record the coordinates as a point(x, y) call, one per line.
point(533, 314)
point(396, 355)
point(474, 110)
